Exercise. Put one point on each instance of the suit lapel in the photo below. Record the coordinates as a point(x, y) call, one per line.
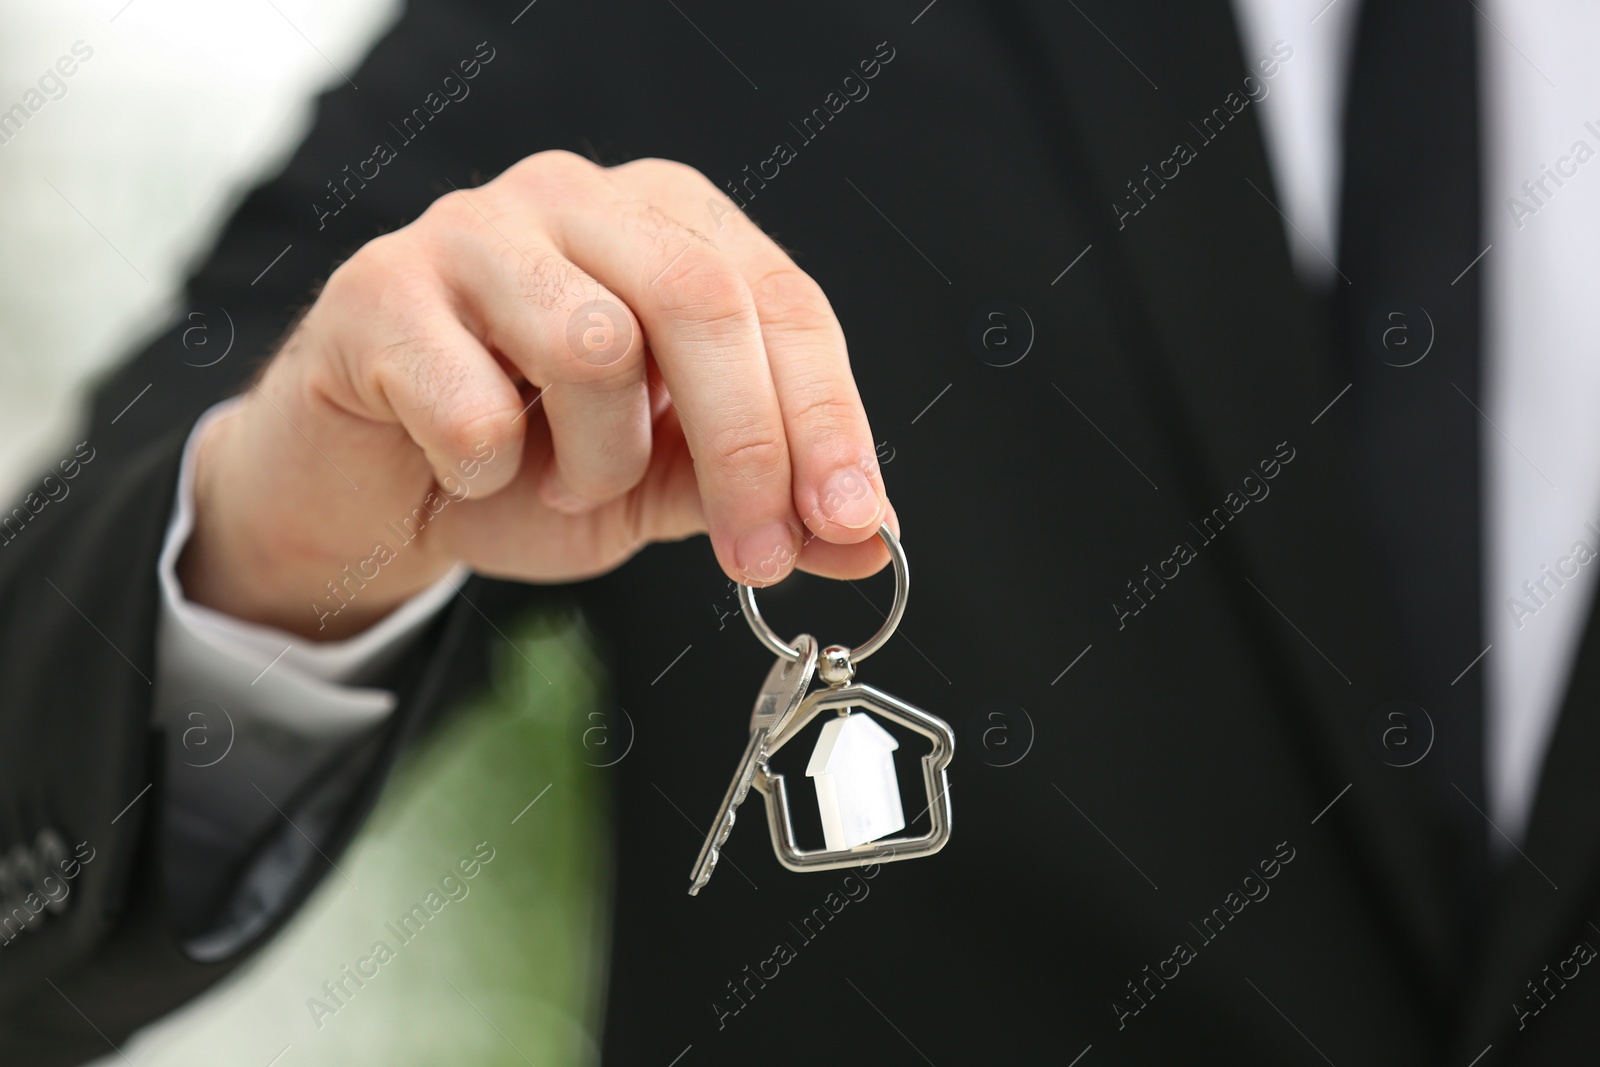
point(1248, 364)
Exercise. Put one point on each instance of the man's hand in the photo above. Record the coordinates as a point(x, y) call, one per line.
point(538, 377)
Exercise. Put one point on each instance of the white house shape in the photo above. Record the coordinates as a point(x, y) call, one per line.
point(853, 767)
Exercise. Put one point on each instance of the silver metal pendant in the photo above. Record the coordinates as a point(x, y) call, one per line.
point(836, 666)
point(855, 699)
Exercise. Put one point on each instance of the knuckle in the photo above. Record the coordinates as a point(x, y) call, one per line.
point(360, 274)
point(417, 373)
point(471, 218)
point(828, 411)
point(435, 395)
point(666, 170)
point(554, 168)
point(600, 344)
point(407, 296)
point(659, 228)
point(753, 449)
point(454, 210)
point(385, 279)
point(789, 298)
point(548, 279)
point(455, 438)
point(481, 433)
point(703, 287)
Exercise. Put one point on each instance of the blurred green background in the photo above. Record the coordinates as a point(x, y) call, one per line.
point(508, 974)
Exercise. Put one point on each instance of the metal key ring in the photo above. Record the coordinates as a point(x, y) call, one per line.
point(902, 588)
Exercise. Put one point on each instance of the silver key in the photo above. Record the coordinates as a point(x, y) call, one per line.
point(780, 696)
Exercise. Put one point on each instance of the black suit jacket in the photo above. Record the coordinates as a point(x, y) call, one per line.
point(1200, 771)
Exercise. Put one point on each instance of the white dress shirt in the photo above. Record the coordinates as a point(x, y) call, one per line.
point(1541, 399)
point(1540, 89)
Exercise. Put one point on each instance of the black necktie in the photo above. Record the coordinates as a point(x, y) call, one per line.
point(1408, 309)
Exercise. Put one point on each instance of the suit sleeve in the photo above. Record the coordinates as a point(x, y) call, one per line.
point(454, 93)
point(77, 603)
point(82, 784)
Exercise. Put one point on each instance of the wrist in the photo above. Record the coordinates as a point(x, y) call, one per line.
point(260, 557)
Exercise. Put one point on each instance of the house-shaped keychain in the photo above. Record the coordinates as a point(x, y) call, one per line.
point(853, 768)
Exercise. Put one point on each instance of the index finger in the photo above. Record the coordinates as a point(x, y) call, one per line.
point(837, 485)
point(704, 332)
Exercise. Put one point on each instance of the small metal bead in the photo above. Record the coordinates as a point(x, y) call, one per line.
point(834, 666)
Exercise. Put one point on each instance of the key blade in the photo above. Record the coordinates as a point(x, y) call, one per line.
point(722, 824)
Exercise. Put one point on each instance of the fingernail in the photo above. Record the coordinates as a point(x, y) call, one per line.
point(848, 499)
point(766, 553)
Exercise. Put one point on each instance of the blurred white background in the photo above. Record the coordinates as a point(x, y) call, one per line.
point(111, 189)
